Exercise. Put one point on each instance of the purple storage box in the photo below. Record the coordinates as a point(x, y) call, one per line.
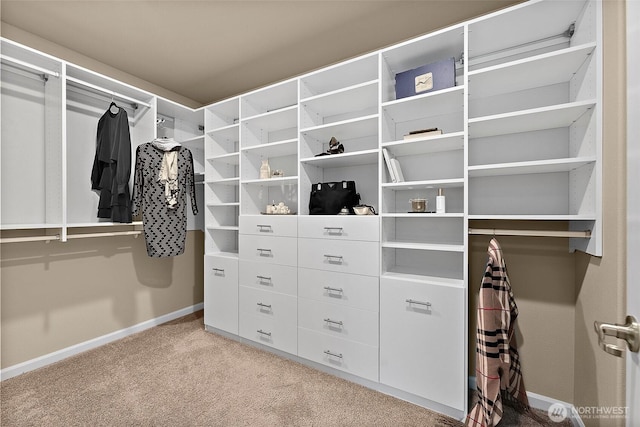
point(427, 78)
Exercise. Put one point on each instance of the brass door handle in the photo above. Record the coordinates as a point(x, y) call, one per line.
point(630, 332)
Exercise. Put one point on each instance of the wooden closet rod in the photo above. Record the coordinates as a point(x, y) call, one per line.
point(107, 91)
point(69, 237)
point(529, 233)
point(28, 65)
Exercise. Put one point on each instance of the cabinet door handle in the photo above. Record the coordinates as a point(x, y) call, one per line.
point(261, 332)
point(218, 270)
point(412, 301)
point(267, 306)
point(264, 251)
point(334, 322)
point(330, 289)
point(329, 353)
point(333, 230)
point(264, 279)
point(334, 258)
point(264, 228)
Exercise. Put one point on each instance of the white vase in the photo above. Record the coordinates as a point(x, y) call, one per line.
point(265, 170)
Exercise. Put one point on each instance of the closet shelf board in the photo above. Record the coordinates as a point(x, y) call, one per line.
point(355, 98)
point(365, 157)
point(229, 132)
point(103, 224)
point(30, 226)
point(226, 181)
point(423, 246)
point(339, 76)
point(445, 101)
point(229, 255)
point(409, 275)
point(556, 116)
point(533, 167)
point(422, 215)
point(195, 139)
point(345, 129)
point(274, 149)
point(223, 227)
point(432, 144)
point(229, 158)
point(230, 204)
point(420, 185)
point(272, 182)
point(538, 71)
point(274, 120)
point(534, 217)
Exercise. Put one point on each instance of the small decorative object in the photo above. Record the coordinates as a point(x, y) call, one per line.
point(279, 209)
point(364, 210)
point(418, 205)
point(278, 173)
point(265, 169)
point(344, 211)
point(440, 202)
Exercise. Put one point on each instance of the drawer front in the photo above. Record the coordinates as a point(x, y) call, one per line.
point(275, 250)
point(352, 227)
point(269, 277)
point(346, 256)
point(422, 347)
point(349, 356)
point(339, 321)
point(269, 225)
point(272, 305)
point(221, 293)
point(269, 332)
point(350, 290)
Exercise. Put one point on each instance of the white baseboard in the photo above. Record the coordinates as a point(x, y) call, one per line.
point(56, 356)
point(543, 403)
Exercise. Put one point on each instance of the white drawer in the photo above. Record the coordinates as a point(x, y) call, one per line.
point(270, 332)
point(269, 277)
point(272, 305)
point(351, 290)
point(340, 321)
point(269, 225)
point(422, 347)
point(342, 256)
point(349, 356)
point(348, 227)
point(221, 293)
point(276, 250)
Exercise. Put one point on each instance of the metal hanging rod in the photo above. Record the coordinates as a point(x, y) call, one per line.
point(136, 102)
point(529, 233)
point(48, 239)
point(33, 67)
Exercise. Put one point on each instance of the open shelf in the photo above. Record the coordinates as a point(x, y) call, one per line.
point(366, 157)
point(430, 144)
point(532, 167)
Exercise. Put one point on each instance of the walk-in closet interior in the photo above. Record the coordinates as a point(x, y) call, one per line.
point(527, 152)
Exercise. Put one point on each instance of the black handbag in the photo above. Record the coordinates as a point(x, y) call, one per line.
point(328, 198)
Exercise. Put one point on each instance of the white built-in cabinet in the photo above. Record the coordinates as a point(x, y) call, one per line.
point(383, 300)
point(50, 113)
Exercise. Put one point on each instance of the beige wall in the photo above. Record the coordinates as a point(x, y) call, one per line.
point(56, 295)
point(600, 283)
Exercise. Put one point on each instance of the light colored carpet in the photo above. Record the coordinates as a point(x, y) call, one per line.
point(177, 374)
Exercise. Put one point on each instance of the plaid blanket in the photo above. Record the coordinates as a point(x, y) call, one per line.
point(498, 374)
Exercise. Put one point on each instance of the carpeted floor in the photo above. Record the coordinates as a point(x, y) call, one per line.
point(177, 374)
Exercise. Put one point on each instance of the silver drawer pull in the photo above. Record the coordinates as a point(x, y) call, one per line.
point(261, 332)
point(264, 278)
point(333, 230)
point(329, 353)
point(263, 228)
point(334, 258)
point(263, 251)
point(330, 289)
point(267, 306)
point(334, 322)
point(218, 270)
point(426, 304)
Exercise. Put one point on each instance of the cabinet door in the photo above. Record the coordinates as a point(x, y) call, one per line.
point(269, 225)
point(340, 227)
point(221, 293)
point(274, 250)
point(422, 339)
point(357, 257)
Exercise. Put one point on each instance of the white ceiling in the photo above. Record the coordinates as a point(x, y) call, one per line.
point(208, 50)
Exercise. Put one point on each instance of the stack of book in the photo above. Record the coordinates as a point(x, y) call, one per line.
point(393, 166)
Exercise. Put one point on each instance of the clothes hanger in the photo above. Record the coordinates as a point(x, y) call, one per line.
point(112, 105)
